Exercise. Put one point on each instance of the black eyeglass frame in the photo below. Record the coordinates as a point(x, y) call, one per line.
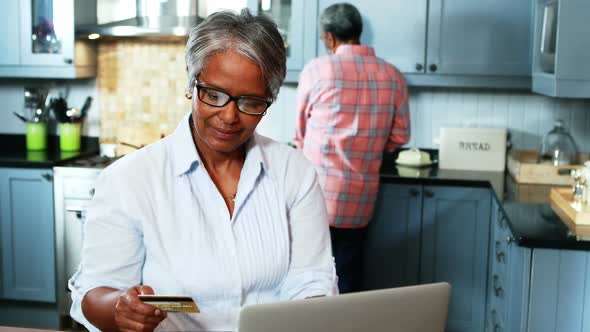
point(231, 98)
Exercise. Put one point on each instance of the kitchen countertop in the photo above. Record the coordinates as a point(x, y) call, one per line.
point(526, 207)
point(13, 152)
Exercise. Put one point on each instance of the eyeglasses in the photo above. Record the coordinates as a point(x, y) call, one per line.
point(218, 98)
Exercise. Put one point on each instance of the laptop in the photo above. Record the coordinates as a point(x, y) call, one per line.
point(420, 308)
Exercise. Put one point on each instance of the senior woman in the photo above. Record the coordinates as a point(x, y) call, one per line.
point(213, 211)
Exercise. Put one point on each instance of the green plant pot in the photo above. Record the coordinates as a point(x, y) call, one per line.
point(69, 136)
point(36, 136)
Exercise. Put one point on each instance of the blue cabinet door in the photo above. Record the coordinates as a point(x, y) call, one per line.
point(9, 38)
point(560, 294)
point(395, 28)
point(393, 238)
point(455, 238)
point(28, 236)
point(498, 44)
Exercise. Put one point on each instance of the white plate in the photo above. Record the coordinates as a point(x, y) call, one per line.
point(415, 165)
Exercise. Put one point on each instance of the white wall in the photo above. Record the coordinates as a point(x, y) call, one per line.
point(76, 91)
point(528, 116)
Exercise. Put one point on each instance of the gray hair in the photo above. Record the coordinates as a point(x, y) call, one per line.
point(255, 37)
point(343, 20)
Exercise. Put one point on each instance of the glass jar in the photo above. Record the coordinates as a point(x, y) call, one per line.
point(558, 147)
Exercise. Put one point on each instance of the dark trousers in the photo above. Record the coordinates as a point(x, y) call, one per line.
point(347, 247)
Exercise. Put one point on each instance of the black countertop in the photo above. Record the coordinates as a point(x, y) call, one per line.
point(13, 152)
point(526, 207)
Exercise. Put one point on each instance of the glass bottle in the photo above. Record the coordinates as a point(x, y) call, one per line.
point(558, 147)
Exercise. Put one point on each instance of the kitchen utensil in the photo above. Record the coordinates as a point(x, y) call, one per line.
point(35, 104)
point(59, 106)
point(86, 106)
point(22, 118)
point(558, 147)
point(131, 145)
point(73, 114)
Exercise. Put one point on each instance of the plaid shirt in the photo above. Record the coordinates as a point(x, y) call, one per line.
point(352, 106)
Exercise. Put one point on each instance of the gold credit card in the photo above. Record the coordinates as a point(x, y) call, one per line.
point(171, 303)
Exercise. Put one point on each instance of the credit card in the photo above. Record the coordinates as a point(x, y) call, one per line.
point(171, 303)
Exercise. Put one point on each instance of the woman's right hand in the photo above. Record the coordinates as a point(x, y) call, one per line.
point(131, 314)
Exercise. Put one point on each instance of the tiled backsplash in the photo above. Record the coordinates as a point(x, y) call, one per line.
point(141, 85)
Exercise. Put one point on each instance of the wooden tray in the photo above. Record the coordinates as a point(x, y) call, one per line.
point(522, 165)
point(575, 216)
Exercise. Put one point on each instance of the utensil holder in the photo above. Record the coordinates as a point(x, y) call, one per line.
point(69, 136)
point(36, 136)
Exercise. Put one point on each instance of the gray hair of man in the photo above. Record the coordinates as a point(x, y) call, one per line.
point(255, 37)
point(343, 20)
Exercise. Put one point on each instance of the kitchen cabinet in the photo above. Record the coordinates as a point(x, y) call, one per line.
point(393, 238)
point(560, 296)
point(9, 38)
point(561, 48)
point(28, 237)
point(534, 289)
point(40, 42)
point(450, 43)
point(508, 279)
point(426, 233)
point(297, 23)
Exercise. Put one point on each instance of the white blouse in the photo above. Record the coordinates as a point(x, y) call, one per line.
point(157, 219)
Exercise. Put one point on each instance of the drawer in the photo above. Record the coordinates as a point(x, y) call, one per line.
point(81, 188)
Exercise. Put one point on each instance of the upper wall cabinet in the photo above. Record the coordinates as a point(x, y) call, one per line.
point(561, 48)
point(38, 40)
point(297, 23)
point(463, 43)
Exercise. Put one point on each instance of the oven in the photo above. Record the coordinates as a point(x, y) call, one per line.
point(73, 191)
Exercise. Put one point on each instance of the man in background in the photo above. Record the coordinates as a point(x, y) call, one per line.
point(352, 106)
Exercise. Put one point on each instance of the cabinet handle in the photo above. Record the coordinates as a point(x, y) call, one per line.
point(498, 290)
point(500, 256)
point(502, 222)
point(433, 67)
point(497, 327)
point(91, 192)
point(47, 176)
point(69, 61)
point(428, 194)
point(419, 66)
point(414, 192)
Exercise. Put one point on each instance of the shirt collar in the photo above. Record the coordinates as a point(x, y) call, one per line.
point(348, 49)
point(185, 155)
point(256, 160)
